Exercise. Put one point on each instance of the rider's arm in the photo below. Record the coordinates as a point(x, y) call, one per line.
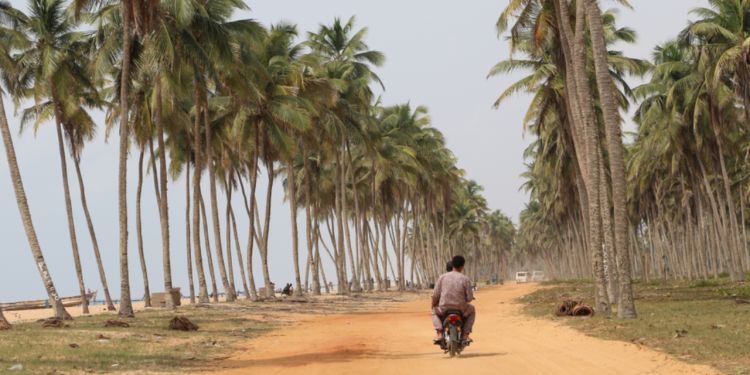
point(436, 292)
point(469, 291)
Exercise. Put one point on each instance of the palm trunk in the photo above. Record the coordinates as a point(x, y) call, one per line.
point(154, 172)
point(92, 234)
point(326, 286)
point(4, 323)
point(343, 285)
point(396, 240)
point(383, 234)
point(354, 285)
point(126, 305)
point(311, 235)
point(231, 294)
point(188, 255)
point(139, 232)
point(238, 248)
point(375, 238)
point(209, 257)
point(69, 213)
point(292, 187)
point(585, 99)
point(270, 293)
point(163, 200)
point(626, 307)
point(203, 288)
point(25, 213)
point(315, 254)
point(609, 243)
point(251, 230)
point(228, 232)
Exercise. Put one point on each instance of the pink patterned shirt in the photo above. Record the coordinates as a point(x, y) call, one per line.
point(452, 291)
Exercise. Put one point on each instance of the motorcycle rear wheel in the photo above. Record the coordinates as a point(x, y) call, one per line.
point(453, 342)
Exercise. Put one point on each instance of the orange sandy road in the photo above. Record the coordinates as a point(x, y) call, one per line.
point(399, 342)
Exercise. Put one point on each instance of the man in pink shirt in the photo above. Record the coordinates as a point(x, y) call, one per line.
point(453, 291)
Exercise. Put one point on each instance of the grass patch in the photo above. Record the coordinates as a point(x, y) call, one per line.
point(147, 345)
point(712, 328)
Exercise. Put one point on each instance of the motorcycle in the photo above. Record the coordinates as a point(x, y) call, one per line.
point(453, 343)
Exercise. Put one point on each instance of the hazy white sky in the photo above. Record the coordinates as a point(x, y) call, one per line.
point(438, 54)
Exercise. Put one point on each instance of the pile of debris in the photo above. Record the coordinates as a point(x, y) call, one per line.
point(181, 323)
point(52, 323)
point(116, 323)
point(569, 307)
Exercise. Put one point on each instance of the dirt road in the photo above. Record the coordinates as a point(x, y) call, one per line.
point(399, 342)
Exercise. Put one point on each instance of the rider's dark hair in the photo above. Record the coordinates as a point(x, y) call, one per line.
point(449, 266)
point(458, 262)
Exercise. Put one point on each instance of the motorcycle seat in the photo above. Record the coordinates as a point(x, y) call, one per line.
point(454, 312)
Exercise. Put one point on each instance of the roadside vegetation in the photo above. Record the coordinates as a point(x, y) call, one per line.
point(671, 201)
point(695, 321)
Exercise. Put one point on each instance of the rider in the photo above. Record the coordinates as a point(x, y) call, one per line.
point(453, 291)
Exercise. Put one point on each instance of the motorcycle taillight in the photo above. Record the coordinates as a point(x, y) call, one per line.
point(454, 318)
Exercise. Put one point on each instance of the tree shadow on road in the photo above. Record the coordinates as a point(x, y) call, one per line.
point(330, 356)
point(340, 355)
point(481, 355)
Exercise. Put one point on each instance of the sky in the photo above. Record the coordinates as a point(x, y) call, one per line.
point(438, 53)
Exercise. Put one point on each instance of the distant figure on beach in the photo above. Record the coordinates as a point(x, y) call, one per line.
point(288, 290)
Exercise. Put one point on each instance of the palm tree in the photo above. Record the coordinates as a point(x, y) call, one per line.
point(724, 26)
point(126, 306)
point(52, 71)
point(9, 40)
point(564, 116)
point(23, 207)
point(609, 107)
point(346, 57)
point(217, 35)
point(280, 112)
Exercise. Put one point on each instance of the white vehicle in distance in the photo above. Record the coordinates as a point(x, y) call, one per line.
point(537, 276)
point(522, 277)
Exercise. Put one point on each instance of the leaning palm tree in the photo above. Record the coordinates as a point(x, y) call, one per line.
point(11, 39)
point(23, 207)
point(616, 151)
point(52, 72)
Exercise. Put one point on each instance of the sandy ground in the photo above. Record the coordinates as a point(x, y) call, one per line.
point(399, 342)
point(75, 311)
point(34, 315)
